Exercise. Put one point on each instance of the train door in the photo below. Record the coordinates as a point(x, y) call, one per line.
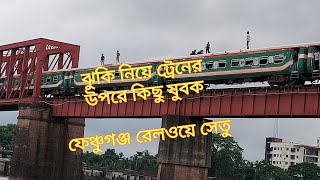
point(315, 60)
point(65, 79)
point(295, 65)
point(155, 77)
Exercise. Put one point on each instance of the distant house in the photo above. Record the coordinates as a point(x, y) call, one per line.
point(5, 156)
point(121, 174)
point(4, 166)
point(131, 175)
point(118, 174)
point(114, 175)
point(5, 151)
point(95, 173)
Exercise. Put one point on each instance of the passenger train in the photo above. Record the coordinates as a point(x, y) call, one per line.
point(282, 66)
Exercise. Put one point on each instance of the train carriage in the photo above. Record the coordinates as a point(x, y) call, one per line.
point(118, 83)
point(269, 66)
point(279, 66)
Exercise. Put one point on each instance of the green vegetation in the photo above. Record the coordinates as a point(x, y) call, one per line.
point(267, 172)
point(111, 160)
point(227, 162)
point(305, 171)
point(7, 134)
point(226, 157)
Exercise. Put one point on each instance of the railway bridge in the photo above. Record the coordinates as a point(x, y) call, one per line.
point(46, 125)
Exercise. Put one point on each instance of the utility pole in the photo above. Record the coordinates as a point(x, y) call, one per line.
point(275, 127)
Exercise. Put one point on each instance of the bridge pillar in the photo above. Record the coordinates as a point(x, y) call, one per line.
point(184, 159)
point(41, 145)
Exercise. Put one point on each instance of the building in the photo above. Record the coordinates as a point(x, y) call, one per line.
point(5, 157)
point(117, 174)
point(4, 166)
point(131, 175)
point(5, 151)
point(284, 154)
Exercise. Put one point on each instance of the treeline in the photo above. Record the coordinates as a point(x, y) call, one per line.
point(227, 162)
point(114, 161)
point(7, 134)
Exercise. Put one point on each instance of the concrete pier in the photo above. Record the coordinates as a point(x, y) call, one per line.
point(41, 145)
point(184, 158)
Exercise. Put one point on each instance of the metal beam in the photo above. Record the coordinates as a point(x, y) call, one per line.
point(252, 102)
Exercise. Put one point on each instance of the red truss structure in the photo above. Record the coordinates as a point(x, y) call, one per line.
point(22, 65)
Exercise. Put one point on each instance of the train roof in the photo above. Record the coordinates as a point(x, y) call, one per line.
point(200, 56)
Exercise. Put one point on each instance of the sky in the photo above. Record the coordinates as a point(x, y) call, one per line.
point(143, 30)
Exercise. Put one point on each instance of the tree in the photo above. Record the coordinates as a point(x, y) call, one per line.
point(7, 134)
point(245, 171)
point(144, 161)
point(92, 160)
point(113, 161)
point(304, 170)
point(270, 172)
point(226, 157)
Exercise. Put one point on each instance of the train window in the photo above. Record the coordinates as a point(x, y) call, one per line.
point(278, 58)
point(48, 80)
point(222, 64)
point(55, 79)
point(235, 63)
point(256, 61)
point(271, 59)
point(248, 61)
point(203, 66)
point(42, 80)
point(215, 64)
point(241, 62)
point(117, 74)
point(161, 69)
point(263, 60)
point(209, 65)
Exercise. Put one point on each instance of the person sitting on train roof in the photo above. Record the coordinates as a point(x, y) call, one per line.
point(193, 52)
point(200, 52)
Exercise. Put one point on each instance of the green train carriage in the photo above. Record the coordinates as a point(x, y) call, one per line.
point(230, 68)
point(286, 66)
point(277, 66)
point(281, 66)
point(117, 83)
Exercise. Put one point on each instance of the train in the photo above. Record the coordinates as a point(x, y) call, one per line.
point(279, 66)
